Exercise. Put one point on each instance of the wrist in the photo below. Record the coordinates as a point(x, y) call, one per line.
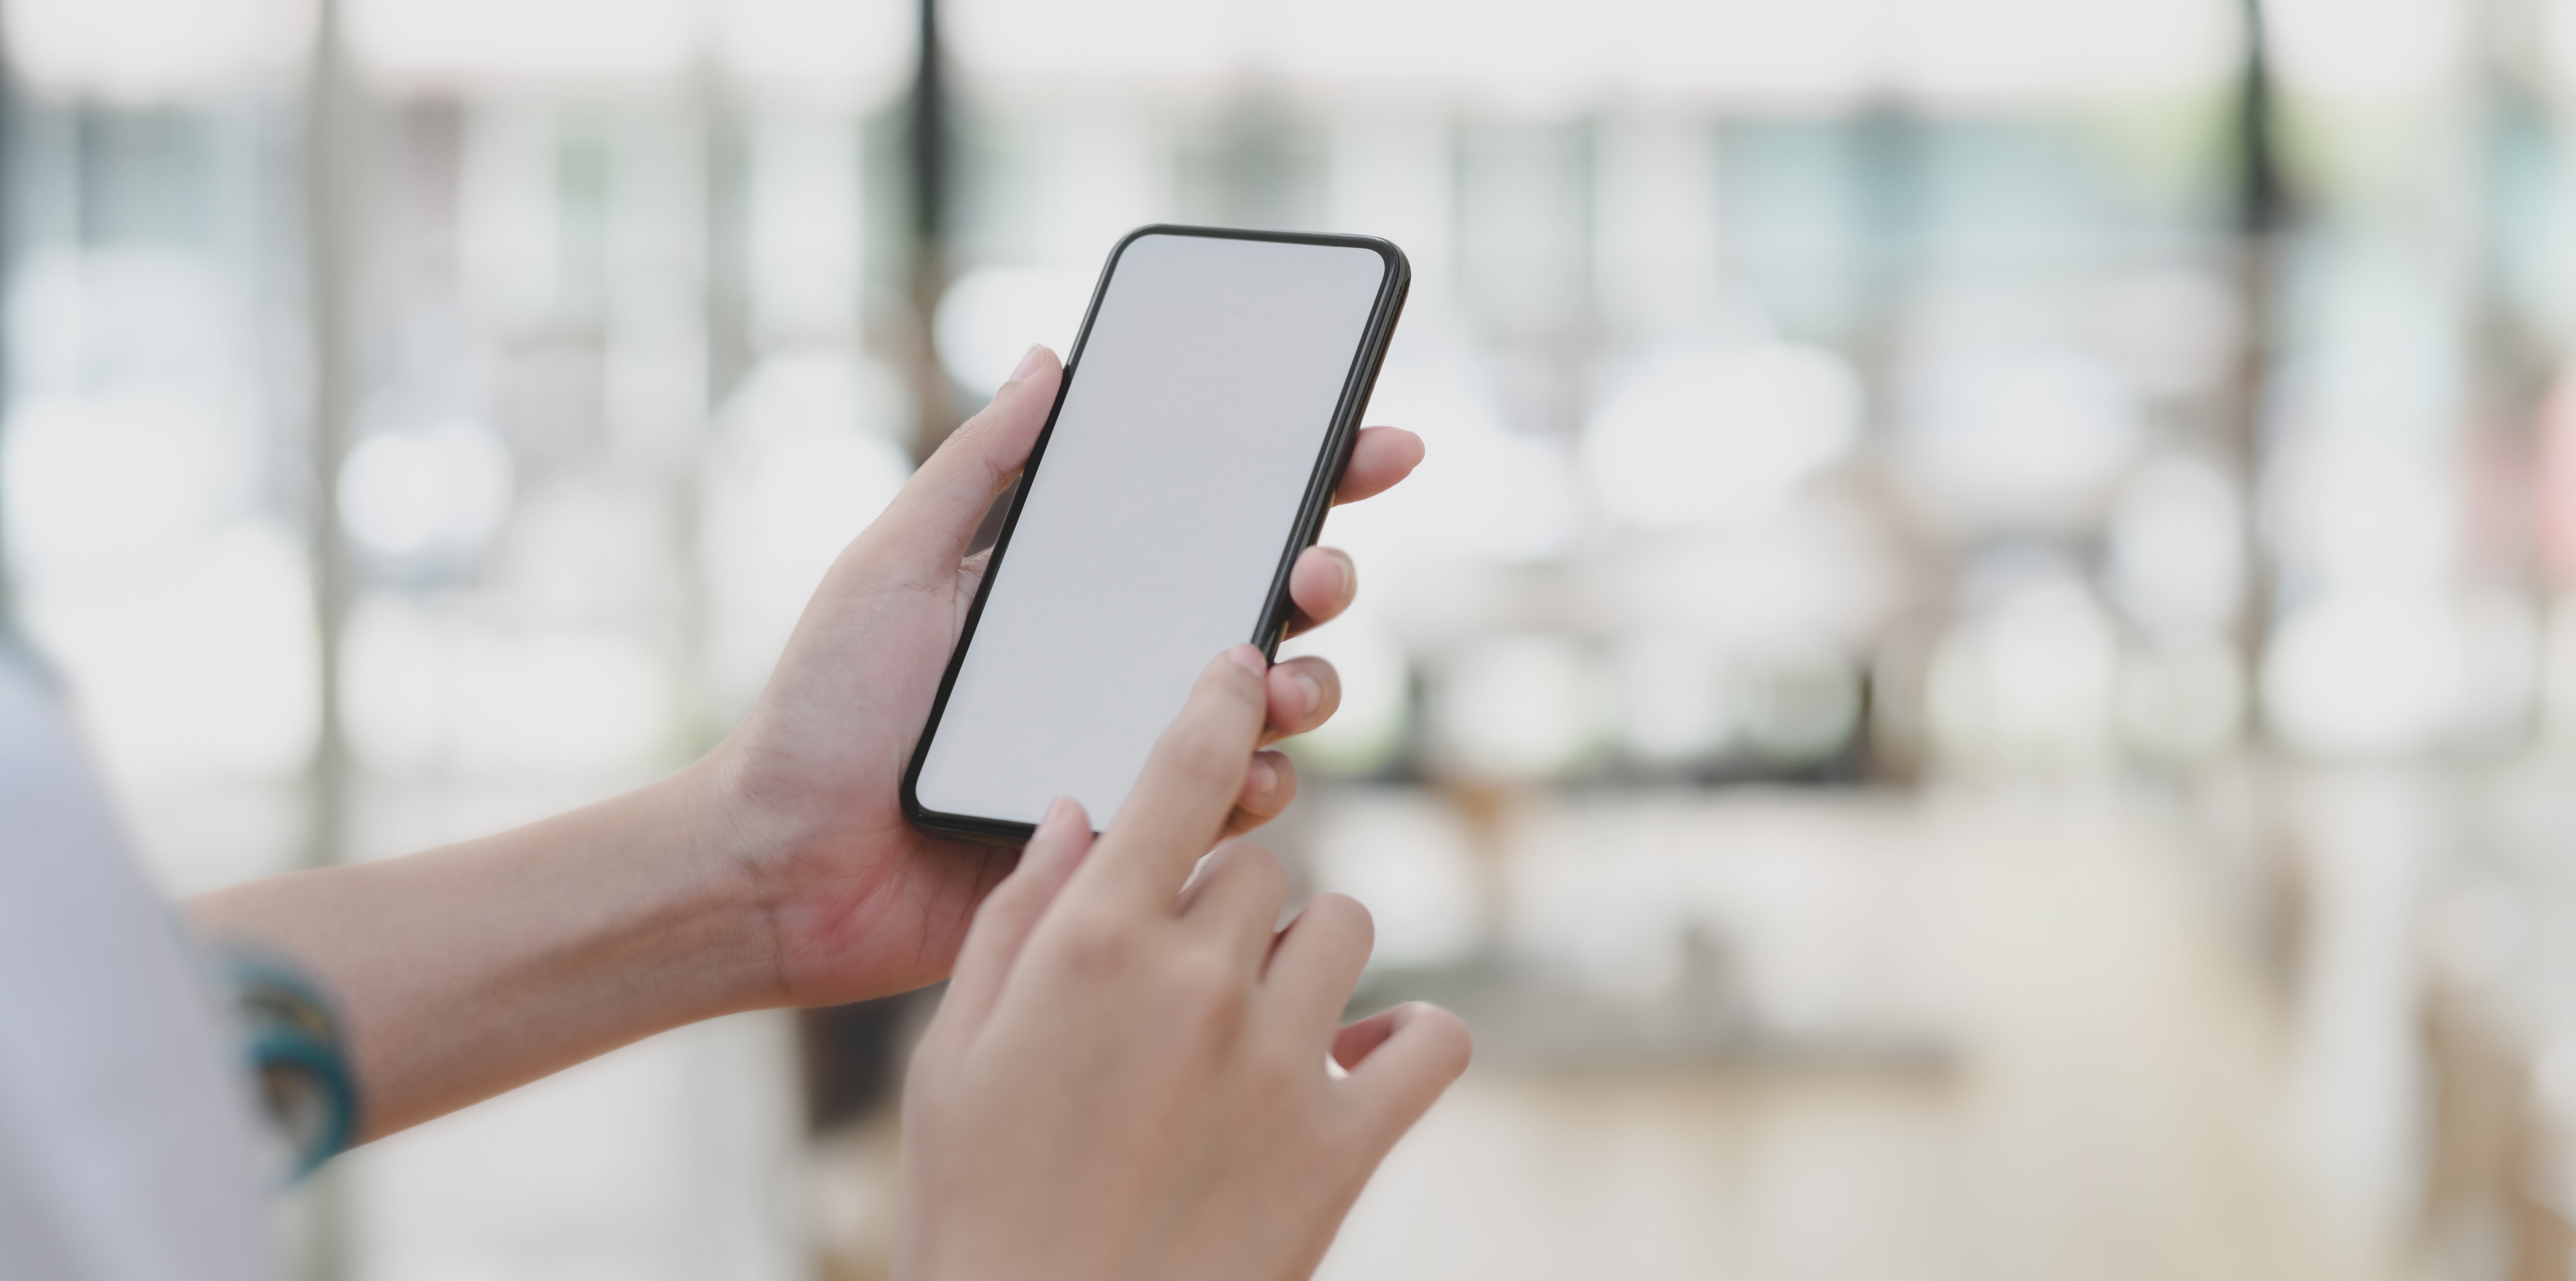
point(850, 903)
point(717, 890)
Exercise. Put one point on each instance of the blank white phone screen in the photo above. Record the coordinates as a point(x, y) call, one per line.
point(1156, 520)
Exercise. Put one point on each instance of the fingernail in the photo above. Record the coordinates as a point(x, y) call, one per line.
point(1059, 812)
point(1265, 777)
point(1028, 363)
point(1249, 659)
point(1314, 690)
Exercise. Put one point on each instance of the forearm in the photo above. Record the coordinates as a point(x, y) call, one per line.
point(470, 970)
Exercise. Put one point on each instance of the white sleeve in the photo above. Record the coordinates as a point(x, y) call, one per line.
point(126, 1149)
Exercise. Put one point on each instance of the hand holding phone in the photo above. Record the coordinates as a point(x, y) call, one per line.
point(798, 808)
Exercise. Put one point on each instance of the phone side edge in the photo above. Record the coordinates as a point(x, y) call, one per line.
point(1367, 362)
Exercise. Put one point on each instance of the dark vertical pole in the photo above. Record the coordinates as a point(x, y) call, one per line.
point(2262, 196)
point(329, 100)
point(1889, 191)
point(2261, 218)
point(1887, 144)
point(330, 187)
point(727, 314)
point(725, 344)
point(851, 1059)
point(2262, 211)
point(931, 159)
point(929, 131)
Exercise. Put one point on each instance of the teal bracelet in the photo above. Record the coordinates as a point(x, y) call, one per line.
point(295, 1052)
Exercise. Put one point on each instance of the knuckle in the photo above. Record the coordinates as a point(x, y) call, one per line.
point(1203, 988)
point(1275, 1081)
point(1095, 944)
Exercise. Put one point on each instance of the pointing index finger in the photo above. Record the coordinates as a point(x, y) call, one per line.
point(1179, 806)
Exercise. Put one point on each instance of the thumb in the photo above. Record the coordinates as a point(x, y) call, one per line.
point(940, 506)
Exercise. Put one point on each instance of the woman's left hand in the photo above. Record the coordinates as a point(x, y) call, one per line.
point(858, 902)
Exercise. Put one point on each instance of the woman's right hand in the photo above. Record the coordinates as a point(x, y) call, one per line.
point(1127, 1077)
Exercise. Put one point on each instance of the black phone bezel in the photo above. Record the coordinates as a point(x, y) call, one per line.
point(1357, 387)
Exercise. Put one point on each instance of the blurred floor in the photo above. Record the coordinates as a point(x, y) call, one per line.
point(678, 1158)
point(675, 1159)
point(2117, 1108)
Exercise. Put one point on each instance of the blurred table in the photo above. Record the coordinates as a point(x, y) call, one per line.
point(2117, 1110)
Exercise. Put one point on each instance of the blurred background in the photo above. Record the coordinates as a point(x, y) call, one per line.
point(1977, 683)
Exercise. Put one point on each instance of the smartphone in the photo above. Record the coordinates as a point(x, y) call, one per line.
point(1207, 410)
